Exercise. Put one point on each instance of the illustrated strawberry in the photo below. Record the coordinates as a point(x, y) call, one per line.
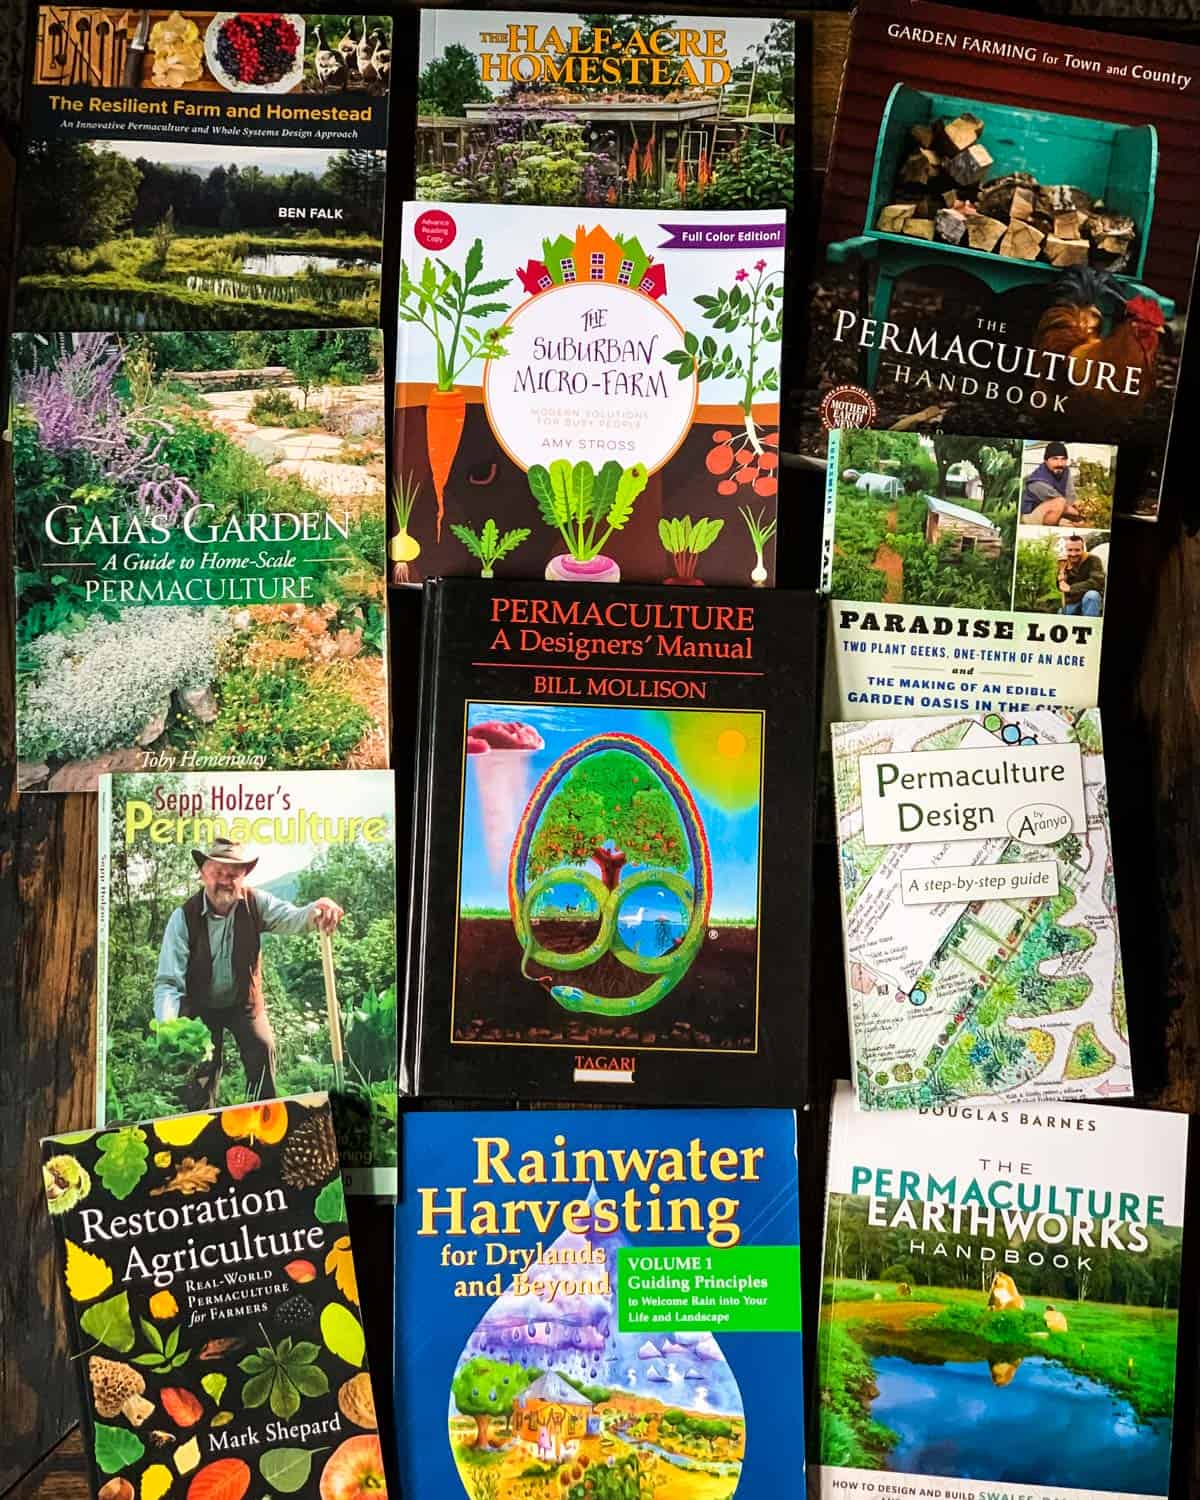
point(241, 1161)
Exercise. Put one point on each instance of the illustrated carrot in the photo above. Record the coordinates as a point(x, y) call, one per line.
point(445, 417)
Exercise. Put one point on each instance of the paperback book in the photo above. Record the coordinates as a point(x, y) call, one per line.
point(603, 1304)
point(587, 398)
point(1000, 1302)
point(246, 947)
point(610, 864)
point(212, 1305)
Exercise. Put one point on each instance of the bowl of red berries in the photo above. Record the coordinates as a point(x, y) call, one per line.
point(255, 52)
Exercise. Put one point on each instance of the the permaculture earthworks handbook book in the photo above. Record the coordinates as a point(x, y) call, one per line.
point(1008, 236)
point(199, 553)
point(979, 909)
point(587, 396)
point(600, 1304)
point(611, 864)
point(628, 110)
point(203, 169)
point(1000, 1303)
point(213, 1307)
point(246, 948)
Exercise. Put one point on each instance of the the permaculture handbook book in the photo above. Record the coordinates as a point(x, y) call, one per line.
point(611, 865)
point(600, 1304)
point(1000, 1302)
point(203, 169)
point(1009, 232)
point(212, 1305)
point(246, 947)
point(588, 395)
point(979, 909)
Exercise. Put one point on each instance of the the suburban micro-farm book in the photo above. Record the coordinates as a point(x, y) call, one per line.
point(628, 110)
point(246, 947)
point(587, 395)
point(599, 1305)
point(611, 827)
point(1008, 237)
point(979, 909)
point(1000, 1302)
point(203, 169)
point(199, 540)
point(212, 1305)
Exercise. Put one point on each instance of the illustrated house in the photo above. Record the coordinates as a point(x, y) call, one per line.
point(969, 530)
point(654, 282)
point(559, 257)
point(633, 262)
point(597, 254)
point(534, 277)
point(550, 1417)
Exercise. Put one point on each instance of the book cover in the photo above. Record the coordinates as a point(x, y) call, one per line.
point(979, 909)
point(1008, 236)
point(1000, 1302)
point(611, 865)
point(212, 1305)
point(203, 169)
point(587, 399)
point(600, 1304)
point(599, 110)
point(246, 947)
point(200, 540)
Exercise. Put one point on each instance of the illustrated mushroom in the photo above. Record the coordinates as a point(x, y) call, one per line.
point(117, 1390)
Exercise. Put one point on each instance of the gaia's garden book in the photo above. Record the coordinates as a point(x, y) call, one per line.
point(587, 398)
point(979, 909)
point(599, 1306)
point(1000, 1302)
point(610, 856)
point(597, 110)
point(212, 1305)
point(246, 947)
point(199, 553)
point(203, 169)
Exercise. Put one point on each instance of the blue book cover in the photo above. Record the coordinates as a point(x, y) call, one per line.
point(599, 1306)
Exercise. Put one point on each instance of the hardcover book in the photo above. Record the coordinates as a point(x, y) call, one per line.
point(587, 398)
point(203, 169)
point(199, 540)
point(603, 1304)
point(1000, 1302)
point(212, 1305)
point(1008, 236)
point(611, 848)
point(246, 947)
point(979, 909)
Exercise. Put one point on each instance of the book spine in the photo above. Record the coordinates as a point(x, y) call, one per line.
point(830, 527)
point(837, 819)
point(103, 895)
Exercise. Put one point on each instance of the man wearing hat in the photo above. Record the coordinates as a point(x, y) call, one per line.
point(209, 965)
point(1048, 498)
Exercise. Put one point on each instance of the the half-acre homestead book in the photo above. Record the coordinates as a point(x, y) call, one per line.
point(246, 947)
point(1009, 232)
point(610, 863)
point(199, 553)
point(213, 1307)
point(1000, 1303)
point(587, 398)
point(979, 910)
point(635, 110)
point(600, 1304)
point(203, 169)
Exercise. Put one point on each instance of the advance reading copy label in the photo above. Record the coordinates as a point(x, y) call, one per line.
point(742, 1289)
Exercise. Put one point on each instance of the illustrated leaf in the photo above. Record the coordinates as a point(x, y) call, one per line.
point(156, 1481)
point(191, 1176)
point(121, 1164)
point(187, 1456)
point(560, 483)
point(511, 539)
point(309, 1380)
point(488, 288)
point(116, 1448)
point(87, 1276)
point(286, 1469)
point(227, 1479)
point(172, 1345)
point(253, 1364)
point(153, 1337)
point(182, 1130)
point(583, 483)
point(468, 538)
point(343, 1333)
point(474, 261)
point(285, 1395)
point(605, 489)
point(75, 1137)
point(340, 1261)
point(256, 1390)
point(633, 482)
point(489, 536)
point(330, 1207)
point(214, 1385)
point(543, 492)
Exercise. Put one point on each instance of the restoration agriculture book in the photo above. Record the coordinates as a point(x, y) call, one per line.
point(599, 1304)
point(610, 888)
point(212, 1305)
point(1000, 1303)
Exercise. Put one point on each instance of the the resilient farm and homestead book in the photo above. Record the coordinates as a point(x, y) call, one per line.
point(212, 1305)
point(628, 110)
point(587, 395)
point(610, 864)
point(247, 948)
point(979, 909)
point(1008, 235)
point(1000, 1303)
point(203, 169)
point(200, 542)
point(600, 1305)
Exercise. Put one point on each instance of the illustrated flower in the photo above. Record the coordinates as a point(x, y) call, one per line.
point(162, 1158)
point(760, 265)
point(741, 276)
point(163, 1305)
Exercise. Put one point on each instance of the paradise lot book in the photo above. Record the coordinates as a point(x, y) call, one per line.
point(1000, 1303)
point(600, 1304)
point(212, 1304)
